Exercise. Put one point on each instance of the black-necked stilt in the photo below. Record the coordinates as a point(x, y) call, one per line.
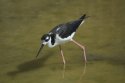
point(61, 34)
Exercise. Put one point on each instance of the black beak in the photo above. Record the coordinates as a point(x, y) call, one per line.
point(39, 50)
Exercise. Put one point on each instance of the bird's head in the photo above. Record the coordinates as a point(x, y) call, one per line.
point(44, 39)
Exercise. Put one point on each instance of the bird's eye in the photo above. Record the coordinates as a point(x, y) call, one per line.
point(47, 38)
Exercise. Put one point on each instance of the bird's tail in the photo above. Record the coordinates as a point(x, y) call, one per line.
point(84, 17)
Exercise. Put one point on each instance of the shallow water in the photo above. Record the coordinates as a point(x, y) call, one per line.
point(22, 23)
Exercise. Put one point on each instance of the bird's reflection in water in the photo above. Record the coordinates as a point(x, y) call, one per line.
point(82, 74)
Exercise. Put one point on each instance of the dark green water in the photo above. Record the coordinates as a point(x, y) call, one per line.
point(22, 23)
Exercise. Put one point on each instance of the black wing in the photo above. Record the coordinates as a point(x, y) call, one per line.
point(65, 30)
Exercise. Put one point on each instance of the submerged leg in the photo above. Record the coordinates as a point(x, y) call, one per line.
point(83, 48)
point(64, 62)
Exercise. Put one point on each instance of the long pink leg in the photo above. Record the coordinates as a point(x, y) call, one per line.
point(83, 48)
point(64, 62)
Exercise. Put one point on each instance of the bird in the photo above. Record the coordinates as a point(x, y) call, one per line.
point(61, 34)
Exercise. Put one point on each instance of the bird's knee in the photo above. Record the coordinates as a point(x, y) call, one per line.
point(83, 47)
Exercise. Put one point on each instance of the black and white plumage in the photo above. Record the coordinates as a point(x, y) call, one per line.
point(61, 34)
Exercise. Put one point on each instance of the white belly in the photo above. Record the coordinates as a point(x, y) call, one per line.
point(64, 40)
